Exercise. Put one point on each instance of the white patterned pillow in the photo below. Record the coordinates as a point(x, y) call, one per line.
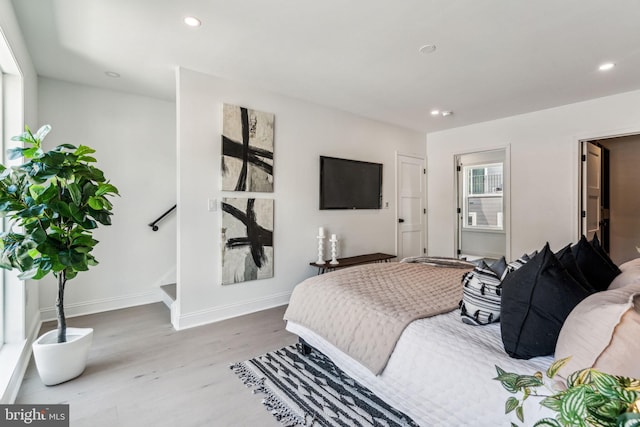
point(480, 303)
point(516, 264)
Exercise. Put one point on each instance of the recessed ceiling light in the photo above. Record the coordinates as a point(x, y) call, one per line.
point(427, 48)
point(435, 112)
point(606, 66)
point(192, 21)
point(112, 74)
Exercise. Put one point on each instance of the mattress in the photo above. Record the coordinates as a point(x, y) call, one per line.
point(441, 373)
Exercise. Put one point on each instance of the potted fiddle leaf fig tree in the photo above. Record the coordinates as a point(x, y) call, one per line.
point(53, 201)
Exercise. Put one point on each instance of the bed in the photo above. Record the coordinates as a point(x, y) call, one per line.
point(439, 370)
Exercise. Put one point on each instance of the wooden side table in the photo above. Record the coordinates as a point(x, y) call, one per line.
point(351, 261)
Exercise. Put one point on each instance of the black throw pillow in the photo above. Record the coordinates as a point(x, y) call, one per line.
point(500, 267)
point(595, 268)
point(595, 242)
point(536, 300)
point(568, 261)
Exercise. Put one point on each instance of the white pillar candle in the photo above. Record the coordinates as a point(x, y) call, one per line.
point(333, 237)
point(321, 232)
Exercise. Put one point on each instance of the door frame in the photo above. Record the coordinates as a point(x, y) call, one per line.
point(506, 196)
point(424, 231)
point(579, 141)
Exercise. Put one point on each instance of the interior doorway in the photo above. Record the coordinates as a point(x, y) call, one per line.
point(613, 214)
point(481, 219)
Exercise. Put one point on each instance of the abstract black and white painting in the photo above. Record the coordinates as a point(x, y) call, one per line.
point(247, 150)
point(247, 236)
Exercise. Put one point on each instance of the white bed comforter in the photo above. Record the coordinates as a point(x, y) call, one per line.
point(440, 373)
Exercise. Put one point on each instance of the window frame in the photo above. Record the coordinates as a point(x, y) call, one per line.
point(2, 223)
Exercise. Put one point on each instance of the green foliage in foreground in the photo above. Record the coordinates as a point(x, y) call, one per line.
point(590, 399)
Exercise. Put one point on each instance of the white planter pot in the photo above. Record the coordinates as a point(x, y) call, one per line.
point(60, 362)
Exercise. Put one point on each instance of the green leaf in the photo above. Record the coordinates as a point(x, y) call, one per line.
point(82, 150)
point(37, 190)
point(76, 195)
point(103, 217)
point(70, 257)
point(95, 203)
point(106, 188)
point(28, 274)
point(33, 152)
point(573, 406)
point(511, 404)
point(528, 381)
point(39, 235)
point(15, 153)
point(76, 213)
point(552, 402)
point(90, 224)
point(33, 211)
point(628, 419)
point(71, 273)
point(62, 208)
point(627, 396)
point(40, 274)
point(556, 366)
point(520, 413)
point(42, 132)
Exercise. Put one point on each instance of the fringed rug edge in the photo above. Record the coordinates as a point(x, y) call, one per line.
point(277, 406)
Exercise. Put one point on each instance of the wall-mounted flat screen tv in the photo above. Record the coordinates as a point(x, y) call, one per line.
point(350, 184)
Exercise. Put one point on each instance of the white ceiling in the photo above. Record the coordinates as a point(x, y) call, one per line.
point(494, 58)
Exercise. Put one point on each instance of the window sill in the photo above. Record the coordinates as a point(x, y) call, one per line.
point(12, 368)
point(482, 230)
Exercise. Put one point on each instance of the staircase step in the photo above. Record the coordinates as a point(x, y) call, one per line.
point(170, 290)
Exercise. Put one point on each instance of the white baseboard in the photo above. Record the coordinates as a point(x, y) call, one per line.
point(105, 304)
point(16, 356)
point(217, 314)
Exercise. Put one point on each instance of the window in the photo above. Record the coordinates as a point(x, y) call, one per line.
point(483, 200)
point(2, 311)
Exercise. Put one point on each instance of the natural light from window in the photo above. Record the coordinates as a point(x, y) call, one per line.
point(483, 197)
point(1, 222)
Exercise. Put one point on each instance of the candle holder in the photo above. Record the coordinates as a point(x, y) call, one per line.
point(321, 260)
point(334, 252)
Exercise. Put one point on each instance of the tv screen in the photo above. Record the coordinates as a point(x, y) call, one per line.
point(350, 184)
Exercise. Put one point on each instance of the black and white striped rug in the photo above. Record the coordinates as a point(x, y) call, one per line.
point(309, 390)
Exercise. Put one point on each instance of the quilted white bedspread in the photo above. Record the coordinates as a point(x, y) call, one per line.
point(363, 310)
point(440, 373)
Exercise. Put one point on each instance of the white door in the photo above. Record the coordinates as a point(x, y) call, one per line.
point(591, 189)
point(411, 213)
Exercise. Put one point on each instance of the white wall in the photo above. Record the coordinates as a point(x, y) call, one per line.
point(303, 132)
point(135, 141)
point(544, 168)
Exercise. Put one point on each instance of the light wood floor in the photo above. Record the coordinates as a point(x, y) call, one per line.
point(143, 373)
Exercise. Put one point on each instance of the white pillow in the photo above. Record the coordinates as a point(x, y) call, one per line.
point(602, 332)
point(630, 274)
point(630, 265)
